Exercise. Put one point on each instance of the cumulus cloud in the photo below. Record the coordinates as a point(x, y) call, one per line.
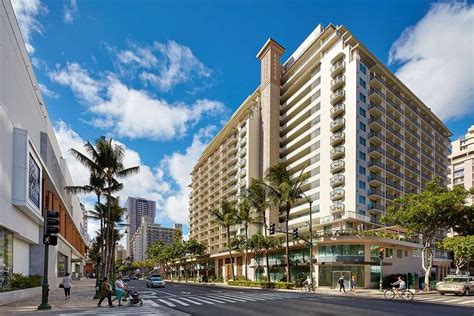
point(129, 112)
point(26, 12)
point(436, 58)
point(70, 12)
point(44, 90)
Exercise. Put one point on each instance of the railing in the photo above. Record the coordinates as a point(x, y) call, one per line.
point(394, 132)
point(337, 193)
point(394, 106)
point(395, 145)
point(337, 123)
point(376, 106)
point(380, 93)
point(337, 151)
point(337, 94)
point(376, 163)
point(336, 179)
point(337, 207)
point(377, 149)
point(416, 147)
point(376, 120)
point(394, 185)
point(412, 169)
point(338, 107)
point(338, 79)
point(394, 158)
point(376, 206)
point(373, 177)
point(376, 134)
point(376, 192)
point(395, 119)
point(338, 164)
point(338, 65)
point(413, 157)
point(337, 137)
point(412, 181)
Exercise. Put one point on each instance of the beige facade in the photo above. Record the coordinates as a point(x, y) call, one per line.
point(462, 161)
point(336, 112)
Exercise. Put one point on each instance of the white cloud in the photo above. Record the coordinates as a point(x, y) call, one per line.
point(26, 12)
point(129, 112)
point(44, 90)
point(70, 12)
point(436, 57)
point(85, 88)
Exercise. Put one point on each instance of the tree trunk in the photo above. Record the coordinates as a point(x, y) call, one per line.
point(230, 253)
point(268, 265)
point(287, 219)
point(101, 248)
point(246, 249)
point(109, 219)
point(427, 268)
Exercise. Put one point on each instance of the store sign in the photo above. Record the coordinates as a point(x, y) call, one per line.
point(34, 182)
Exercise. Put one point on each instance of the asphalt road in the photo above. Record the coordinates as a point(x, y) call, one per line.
point(208, 300)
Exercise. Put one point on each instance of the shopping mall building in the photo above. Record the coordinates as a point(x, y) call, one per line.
point(33, 173)
point(333, 109)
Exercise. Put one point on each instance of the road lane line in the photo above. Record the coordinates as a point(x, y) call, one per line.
point(166, 302)
point(178, 301)
point(189, 300)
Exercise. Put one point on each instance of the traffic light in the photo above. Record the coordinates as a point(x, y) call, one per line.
point(272, 229)
point(381, 252)
point(295, 233)
point(51, 228)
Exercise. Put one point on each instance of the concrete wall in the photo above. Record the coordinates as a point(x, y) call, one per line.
point(21, 256)
point(19, 295)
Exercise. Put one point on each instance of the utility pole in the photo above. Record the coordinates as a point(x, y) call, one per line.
point(310, 235)
point(381, 256)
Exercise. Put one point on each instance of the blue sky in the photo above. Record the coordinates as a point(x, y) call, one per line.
point(161, 77)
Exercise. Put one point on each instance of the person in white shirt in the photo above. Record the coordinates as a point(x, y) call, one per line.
point(401, 286)
point(67, 286)
point(120, 289)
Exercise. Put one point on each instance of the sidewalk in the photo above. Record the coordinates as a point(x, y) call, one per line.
point(82, 293)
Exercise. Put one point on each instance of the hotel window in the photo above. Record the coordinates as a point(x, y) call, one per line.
point(361, 155)
point(362, 68)
point(362, 112)
point(362, 83)
point(362, 141)
point(362, 126)
point(399, 253)
point(362, 185)
point(388, 253)
point(362, 97)
point(362, 199)
point(362, 170)
point(361, 212)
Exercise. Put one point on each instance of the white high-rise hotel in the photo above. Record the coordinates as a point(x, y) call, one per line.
point(334, 109)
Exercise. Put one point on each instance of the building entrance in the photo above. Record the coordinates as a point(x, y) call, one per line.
point(347, 279)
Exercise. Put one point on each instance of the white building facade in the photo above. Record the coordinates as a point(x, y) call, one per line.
point(33, 173)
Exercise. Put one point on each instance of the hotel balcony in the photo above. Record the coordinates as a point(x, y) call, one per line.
point(337, 82)
point(337, 180)
point(376, 122)
point(376, 95)
point(337, 152)
point(337, 166)
point(336, 208)
point(375, 193)
point(376, 207)
point(337, 96)
point(337, 124)
point(375, 165)
point(376, 109)
point(375, 179)
point(376, 151)
point(338, 68)
point(376, 137)
point(337, 109)
point(337, 138)
point(337, 194)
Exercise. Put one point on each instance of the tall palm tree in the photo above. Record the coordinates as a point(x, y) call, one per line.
point(256, 196)
point(226, 217)
point(284, 189)
point(245, 217)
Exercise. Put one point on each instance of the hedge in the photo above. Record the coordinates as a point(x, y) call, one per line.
point(263, 285)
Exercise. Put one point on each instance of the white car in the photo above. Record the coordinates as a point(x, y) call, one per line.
point(155, 281)
point(456, 284)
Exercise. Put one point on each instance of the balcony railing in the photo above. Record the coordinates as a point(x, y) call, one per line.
point(394, 171)
point(394, 185)
point(394, 132)
point(376, 192)
point(337, 96)
point(376, 149)
point(337, 109)
point(394, 158)
point(337, 138)
point(376, 107)
point(337, 165)
point(337, 124)
point(375, 177)
point(337, 82)
point(374, 134)
point(337, 152)
point(374, 91)
point(395, 145)
point(375, 163)
point(337, 207)
point(376, 206)
point(395, 119)
point(337, 194)
point(338, 68)
point(376, 120)
point(337, 180)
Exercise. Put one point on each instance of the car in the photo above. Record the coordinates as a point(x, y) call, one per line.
point(456, 284)
point(133, 277)
point(126, 278)
point(155, 281)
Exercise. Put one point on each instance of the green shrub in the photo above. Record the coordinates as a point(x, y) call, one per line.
point(19, 281)
point(263, 285)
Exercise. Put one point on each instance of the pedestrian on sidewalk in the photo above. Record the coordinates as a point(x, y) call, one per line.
point(341, 284)
point(353, 284)
point(120, 289)
point(67, 286)
point(106, 292)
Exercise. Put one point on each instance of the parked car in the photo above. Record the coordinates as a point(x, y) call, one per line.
point(155, 281)
point(126, 278)
point(456, 284)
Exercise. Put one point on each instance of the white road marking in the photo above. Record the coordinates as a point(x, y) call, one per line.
point(150, 302)
point(213, 299)
point(164, 292)
point(166, 302)
point(203, 300)
point(178, 301)
point(222, 299)
point(235, 298)
point(190, 301)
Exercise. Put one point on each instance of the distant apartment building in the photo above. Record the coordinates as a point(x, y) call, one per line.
point(148, 234)
point(120, 253)
point(33, 173)
point(137, 208)
point(84, 224)
point(334, 110)
point(462, 161)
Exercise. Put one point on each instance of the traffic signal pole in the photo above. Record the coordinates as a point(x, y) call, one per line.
point(45, 292)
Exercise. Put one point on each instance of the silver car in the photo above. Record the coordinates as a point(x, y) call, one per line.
point(456, 284)
point(155, 281)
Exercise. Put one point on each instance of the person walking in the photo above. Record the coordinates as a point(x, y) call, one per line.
point(353, 284)
point(106, 292)
point(341, 284)
point(120, 289)
point(67, 286)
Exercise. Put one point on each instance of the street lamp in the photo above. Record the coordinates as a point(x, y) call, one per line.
point(310, 235)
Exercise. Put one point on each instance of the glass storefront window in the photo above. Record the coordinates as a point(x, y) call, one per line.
point(6, 253)
point(374, 273)
point(339, 253)
point(62, 265)
point(327, 273)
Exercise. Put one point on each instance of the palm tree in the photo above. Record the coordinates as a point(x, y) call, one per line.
point(284, 189)
point(245, 217)
point(226, 217)
point(256, 196)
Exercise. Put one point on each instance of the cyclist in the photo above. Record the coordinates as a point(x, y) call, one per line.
point(401, 286)
point(308, 282)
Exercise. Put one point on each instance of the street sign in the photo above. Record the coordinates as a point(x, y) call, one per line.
point(51, 240)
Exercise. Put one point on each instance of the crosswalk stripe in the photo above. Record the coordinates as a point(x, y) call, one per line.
point(222, 299)
point(467, 302)
point(213, 299)
point(151, 303)
point(178, 301)
point(236, 298)
point(203, 300)
point(253, 297)
point(190, 301)
point(166, 302)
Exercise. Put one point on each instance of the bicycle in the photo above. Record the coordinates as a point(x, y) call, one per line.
point(405, 294)
point(307, 288)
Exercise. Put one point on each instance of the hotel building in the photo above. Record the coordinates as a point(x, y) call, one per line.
point(333, 109)
point(137, 208)
point(33, 173)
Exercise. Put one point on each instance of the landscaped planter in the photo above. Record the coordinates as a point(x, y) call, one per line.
point(12, 296)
